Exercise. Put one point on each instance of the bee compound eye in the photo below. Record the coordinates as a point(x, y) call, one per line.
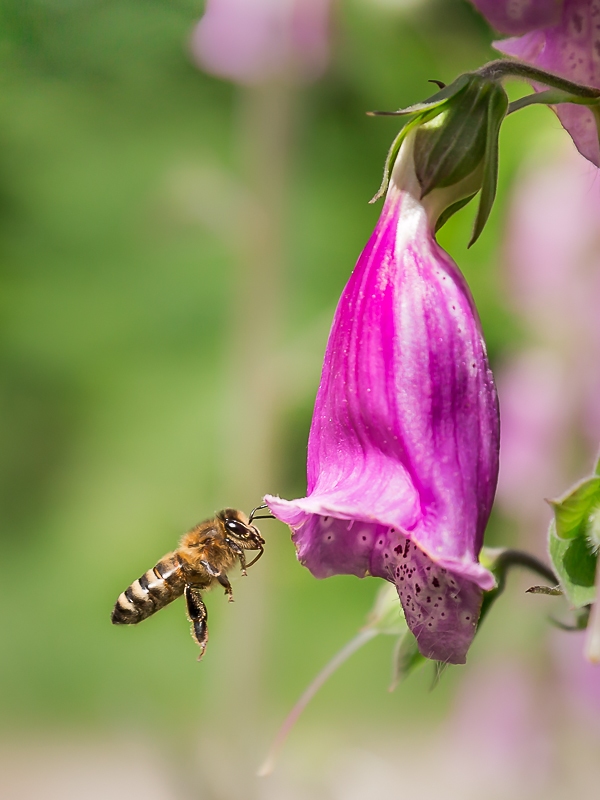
point(237, 528)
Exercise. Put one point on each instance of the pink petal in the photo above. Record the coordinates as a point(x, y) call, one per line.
point(569, 47)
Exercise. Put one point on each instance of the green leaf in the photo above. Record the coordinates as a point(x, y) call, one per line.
point(575, 563)
point(571, 511)
point(497, 109)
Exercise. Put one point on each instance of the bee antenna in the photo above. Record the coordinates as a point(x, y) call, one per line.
point(258, 508)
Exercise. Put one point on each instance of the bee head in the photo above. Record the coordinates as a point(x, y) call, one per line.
point(238, 526)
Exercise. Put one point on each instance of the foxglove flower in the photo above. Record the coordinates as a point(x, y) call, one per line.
point(403, 448)
point(560, 36)
point(253, 41)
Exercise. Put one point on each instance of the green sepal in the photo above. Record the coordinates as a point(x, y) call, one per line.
point(391, 157)
point(451, 146)
point(575, 562)
point(432, 102)
point(407, 659)
point(497, 109)
point(571, 511)
point(423, 112)
point(451, 210)
point(387, 616)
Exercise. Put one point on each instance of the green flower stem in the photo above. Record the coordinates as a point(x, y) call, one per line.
point(505, 561)
point(503, 68)
point(344, 654)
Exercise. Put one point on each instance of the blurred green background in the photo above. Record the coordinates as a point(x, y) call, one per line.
point(155, 366)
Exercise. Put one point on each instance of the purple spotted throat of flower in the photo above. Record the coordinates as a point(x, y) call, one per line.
point(404, 443)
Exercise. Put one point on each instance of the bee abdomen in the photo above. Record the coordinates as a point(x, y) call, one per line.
point(156, 588)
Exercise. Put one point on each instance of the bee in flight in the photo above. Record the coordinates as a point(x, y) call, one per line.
point(205, 555)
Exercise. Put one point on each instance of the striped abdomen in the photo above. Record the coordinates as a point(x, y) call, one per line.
point(156, 588)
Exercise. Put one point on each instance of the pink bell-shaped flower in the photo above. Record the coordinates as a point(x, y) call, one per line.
point(403, 448)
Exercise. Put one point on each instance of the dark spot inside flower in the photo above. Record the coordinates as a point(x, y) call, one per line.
point(436, 583)
point(407, 548)
point(380, 542)
point(428, 599)
point(427, 568)
point(442, 614)
point(435, 605)
point(364, 538)
point(398, 549)
point(430, 624)
point(417, 588)
point(440, 598)
point(386, 555)
point(325, 519)
point(329, 538)
point(467, 617)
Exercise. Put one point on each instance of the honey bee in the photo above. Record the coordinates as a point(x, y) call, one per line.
point(205, 555)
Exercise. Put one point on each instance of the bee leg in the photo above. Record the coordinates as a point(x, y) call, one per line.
point(197, 615)
point(224, 581)
point(239, 551)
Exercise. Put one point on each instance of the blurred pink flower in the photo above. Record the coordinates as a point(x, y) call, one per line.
point(580, 678)
point(515, 17)
point(560, 36)
point(253, 41)
point(549, 393)
point(513, 745)
point(536, 411)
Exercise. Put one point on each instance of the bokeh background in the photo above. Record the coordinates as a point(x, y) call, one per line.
point(177, 221)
